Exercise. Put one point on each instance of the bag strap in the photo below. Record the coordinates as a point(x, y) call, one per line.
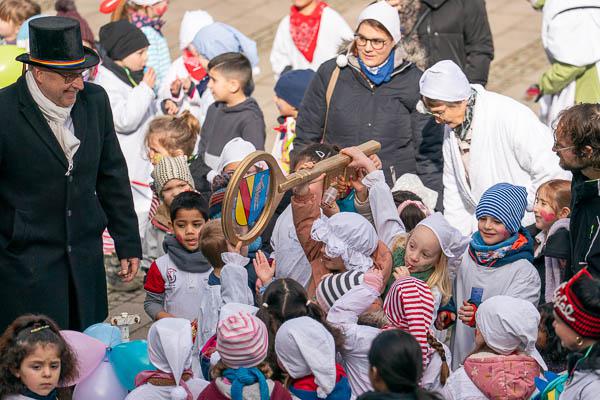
point(330, 88)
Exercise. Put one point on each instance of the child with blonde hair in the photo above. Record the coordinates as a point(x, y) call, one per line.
point(552, 208)
point(430, 252)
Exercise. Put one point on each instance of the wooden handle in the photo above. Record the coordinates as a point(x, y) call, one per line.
point(338, 161)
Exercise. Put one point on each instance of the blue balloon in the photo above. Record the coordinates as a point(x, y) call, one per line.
point(128, 360)
point(106, 333)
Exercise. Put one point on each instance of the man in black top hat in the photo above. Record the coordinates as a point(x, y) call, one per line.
point(63, 179)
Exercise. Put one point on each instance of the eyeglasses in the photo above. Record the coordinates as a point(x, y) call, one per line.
point(71, 77)
point(557, 149)
point(423, 109)
point(376, 44)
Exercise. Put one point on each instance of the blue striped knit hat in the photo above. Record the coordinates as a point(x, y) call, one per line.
point(506, 203)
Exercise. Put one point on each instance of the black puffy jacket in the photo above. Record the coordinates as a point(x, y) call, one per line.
point(360, 111)
point(458, 30)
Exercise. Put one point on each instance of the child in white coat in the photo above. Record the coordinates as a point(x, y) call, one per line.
point(170, 351)
point(131, 96)
point(310, 35)
point(505, 361)
point(498, 262)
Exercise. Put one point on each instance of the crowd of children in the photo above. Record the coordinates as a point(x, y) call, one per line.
point(371, 296)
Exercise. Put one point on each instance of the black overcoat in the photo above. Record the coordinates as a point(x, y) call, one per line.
point(51, 223)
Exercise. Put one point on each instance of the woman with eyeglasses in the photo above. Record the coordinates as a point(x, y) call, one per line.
point(489, 138)
point(370, 92)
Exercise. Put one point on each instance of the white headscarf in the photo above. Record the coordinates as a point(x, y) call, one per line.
point(347, 235)
point(58, 118)
point(191, 23)
point(234, 151)
point(305, 347)
point(452, 242)
point(445, 81)
point(508, 324)
point(170, 346)
point(386, 15)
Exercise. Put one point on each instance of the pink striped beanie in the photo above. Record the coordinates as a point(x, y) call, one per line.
point(409, 306)
point(242, 340)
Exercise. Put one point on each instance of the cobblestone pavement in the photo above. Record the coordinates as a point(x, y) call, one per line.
point(519, 61)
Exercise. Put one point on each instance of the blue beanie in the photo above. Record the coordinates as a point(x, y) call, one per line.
point(506, 203)
point(292, 85)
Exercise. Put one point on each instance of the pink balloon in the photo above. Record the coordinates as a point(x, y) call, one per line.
point(102, 384)
point(89, 352)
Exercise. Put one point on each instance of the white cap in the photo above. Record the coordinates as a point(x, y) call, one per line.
point(191, 23)
point(445, 81)
point(385, 14)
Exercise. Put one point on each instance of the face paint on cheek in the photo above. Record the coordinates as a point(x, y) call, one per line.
point(161, 10)
point(548, 216)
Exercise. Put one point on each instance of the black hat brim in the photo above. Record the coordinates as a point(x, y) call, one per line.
point(91, 59)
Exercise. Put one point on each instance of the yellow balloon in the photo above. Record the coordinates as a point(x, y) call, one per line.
point(10, 69)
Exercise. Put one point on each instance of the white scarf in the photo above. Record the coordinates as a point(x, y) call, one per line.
point(58, 118)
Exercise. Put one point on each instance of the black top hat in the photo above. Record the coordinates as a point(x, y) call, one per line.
point(55, 42)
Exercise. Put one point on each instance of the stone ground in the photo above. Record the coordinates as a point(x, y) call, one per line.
point(519, 61)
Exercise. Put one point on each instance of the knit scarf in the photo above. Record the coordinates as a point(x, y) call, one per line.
point(462, 130)
point(305, 29)
point(160, 378)
point(518, 246)
point(185, 260)
point(381, 74)
point(140, 21)
point(53, 395)
point(56, 117)
point(241, 377)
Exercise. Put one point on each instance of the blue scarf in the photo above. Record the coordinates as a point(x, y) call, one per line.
point(518, 246)
point(383, 74)
point(245, 377)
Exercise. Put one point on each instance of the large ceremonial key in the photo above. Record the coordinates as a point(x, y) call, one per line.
point(253, 194)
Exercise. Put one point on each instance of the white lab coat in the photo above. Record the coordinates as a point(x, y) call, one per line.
point(509, 144)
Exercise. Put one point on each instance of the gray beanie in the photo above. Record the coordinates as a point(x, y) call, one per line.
point(169, 168)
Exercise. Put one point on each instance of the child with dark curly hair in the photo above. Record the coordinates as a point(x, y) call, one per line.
point(35, 359)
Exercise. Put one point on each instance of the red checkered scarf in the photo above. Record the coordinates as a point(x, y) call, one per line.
point(409, 306)
point(305, 29)
point(569, 308)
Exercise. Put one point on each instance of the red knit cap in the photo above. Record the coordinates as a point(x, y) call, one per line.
point(409, 306)
point(569, 308)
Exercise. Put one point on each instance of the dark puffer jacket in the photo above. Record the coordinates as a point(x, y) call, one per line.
point(360, 111)
point(458, 30)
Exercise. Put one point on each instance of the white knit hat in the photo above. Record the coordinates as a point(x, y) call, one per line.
point(386, 15)
point(169, 168)
point(191, 23)
point(445, 81)
point(412, 183)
